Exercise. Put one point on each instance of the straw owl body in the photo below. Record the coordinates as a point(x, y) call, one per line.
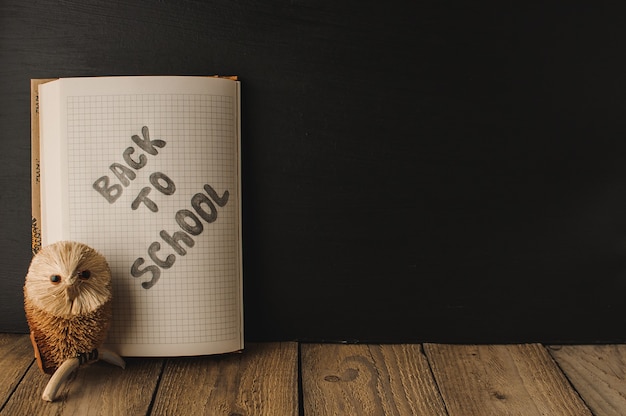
point(67, 301)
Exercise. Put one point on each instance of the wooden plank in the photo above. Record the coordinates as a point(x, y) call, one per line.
point(340, 379)
point(598, 372)
point(96, 389)
point(502, 379)
point(262, 380)
point(16, 356)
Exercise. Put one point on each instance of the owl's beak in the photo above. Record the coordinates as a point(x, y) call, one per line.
point(72, 292)
point(72, 288)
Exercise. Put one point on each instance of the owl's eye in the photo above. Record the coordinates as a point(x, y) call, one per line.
point(84, 274)
point(55, 278)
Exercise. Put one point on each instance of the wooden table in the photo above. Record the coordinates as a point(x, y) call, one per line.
point(290, 378)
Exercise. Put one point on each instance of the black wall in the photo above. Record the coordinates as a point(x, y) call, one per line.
point(412, 172)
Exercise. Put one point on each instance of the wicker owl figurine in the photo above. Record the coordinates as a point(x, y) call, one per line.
point(67, 301)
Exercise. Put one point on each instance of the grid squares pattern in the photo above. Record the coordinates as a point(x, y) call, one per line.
point(197, 299)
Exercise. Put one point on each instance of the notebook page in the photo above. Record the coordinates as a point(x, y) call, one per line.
point(151, 167)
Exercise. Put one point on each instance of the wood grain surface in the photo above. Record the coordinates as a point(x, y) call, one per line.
point(262, 380)
point(97, 389)
point(368, 380)
point(332, 379)
point(598, 373)
point(502, 379)
point(16, 356)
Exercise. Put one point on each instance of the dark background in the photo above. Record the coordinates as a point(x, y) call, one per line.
point(412, 171)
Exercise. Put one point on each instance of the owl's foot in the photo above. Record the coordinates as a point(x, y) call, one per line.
point(59, 376)
point(71, 364)
point(111, 357)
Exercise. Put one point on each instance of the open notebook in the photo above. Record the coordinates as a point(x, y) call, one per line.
point(147, 171)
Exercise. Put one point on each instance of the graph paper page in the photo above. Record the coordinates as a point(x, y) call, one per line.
point(148, 175)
